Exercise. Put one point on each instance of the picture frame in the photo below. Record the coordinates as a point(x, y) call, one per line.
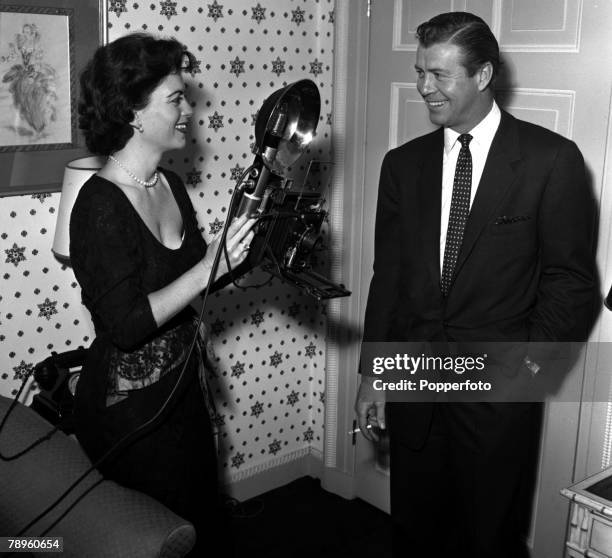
point(44, 45)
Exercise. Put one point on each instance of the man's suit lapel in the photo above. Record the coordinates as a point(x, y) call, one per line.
point(498, 176)
point(430, 204)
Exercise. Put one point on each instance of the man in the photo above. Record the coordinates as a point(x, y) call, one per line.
point(483, 233)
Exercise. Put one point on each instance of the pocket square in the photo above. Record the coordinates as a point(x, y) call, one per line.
point(508, 220)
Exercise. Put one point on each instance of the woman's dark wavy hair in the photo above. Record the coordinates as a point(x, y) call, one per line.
point(119, 80)
point(467, 31)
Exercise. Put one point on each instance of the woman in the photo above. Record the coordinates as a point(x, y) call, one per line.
point(140, 259)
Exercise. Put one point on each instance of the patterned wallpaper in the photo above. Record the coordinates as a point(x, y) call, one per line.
point(269, 341)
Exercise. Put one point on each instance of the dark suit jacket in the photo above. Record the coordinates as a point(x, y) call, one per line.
point(525, 271)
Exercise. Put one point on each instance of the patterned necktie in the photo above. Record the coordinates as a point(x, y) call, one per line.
point(459, 211)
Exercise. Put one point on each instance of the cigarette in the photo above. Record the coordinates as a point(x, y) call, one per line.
point(355, 430)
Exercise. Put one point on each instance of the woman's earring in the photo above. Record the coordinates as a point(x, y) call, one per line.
point(138, 126)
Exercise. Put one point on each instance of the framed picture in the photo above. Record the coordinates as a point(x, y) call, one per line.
point(44, 44)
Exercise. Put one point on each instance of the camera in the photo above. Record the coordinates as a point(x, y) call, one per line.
point(289, 238)
point(289, 233)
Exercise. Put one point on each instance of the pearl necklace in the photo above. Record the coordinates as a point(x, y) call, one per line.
point(145, 183)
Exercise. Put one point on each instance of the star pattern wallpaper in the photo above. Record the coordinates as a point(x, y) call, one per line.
point(269, 339)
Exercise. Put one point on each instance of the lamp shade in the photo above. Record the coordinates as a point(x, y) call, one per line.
point(76, 174)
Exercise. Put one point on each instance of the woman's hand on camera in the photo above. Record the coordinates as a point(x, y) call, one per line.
point(238, 242)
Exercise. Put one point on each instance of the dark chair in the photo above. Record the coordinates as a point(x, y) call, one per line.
point(99, 518)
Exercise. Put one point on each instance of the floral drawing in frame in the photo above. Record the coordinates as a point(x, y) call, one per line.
point(37, 94)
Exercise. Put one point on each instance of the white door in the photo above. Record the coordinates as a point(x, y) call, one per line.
point(558, 57)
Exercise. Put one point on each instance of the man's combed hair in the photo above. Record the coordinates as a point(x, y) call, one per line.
point(467, 31)
point(119, 80)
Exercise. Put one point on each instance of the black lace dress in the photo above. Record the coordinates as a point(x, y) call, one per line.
point(132, 364)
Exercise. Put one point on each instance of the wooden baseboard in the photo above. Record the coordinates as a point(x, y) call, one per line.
point(275, 473)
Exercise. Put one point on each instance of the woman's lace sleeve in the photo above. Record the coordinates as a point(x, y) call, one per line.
point(104, 253)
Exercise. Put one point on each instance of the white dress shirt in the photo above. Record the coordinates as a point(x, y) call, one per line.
point(482, 137)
